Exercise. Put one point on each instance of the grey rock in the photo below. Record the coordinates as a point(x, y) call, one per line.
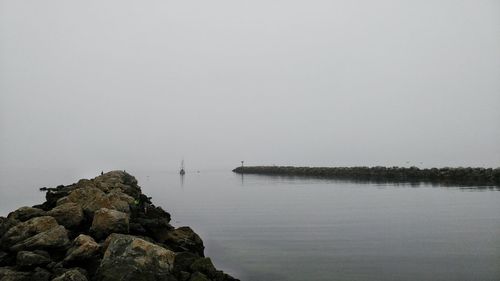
point(118, 179)
point(130, 258)
point(69, 214)
point(83, 248)
point(26, 213)
point(119, 200)
point(90, 199)
point(24, 230)
point(53, 238)
point(107, 221)
point(184, 239)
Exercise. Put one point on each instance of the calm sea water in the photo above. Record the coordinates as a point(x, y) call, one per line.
point(262, 228)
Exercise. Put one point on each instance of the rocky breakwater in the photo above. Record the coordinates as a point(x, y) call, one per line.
point(101, 229)
point(478, 177)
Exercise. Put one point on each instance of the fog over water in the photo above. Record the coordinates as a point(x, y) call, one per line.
point(98, 85)
point(91, 86)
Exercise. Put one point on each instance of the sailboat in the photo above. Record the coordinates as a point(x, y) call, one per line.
point(182, 172)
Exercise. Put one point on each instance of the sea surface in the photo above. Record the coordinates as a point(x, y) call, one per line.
point(262, 228)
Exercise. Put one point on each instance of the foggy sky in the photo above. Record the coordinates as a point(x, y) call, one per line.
point(144, 84)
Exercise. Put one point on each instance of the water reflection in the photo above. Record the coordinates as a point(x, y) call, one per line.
point(378, 183)
point(182, 180)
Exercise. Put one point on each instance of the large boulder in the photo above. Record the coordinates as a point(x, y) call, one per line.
point(54, 238)
point(90, 199)
point(83, 248)
point(119, 200)
point(184, 239)
point(26, 213)
point(27, 229)
point(107, 221)
point(153, 221)
point(130, 258)
point(69, 215)
point(118, 179)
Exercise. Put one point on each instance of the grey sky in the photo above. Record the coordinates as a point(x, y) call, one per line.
point(119, 84)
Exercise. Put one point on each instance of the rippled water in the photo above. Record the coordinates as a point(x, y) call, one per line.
point(263, 228)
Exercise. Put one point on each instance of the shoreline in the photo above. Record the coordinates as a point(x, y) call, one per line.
point(469, 176)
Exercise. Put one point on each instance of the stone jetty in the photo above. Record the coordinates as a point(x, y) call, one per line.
point(102, 229)
point(461, 176)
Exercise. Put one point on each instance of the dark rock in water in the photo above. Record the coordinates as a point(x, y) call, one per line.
point(153, 212)
point(69, 214)
point(131, 258)
point(27, 259)
point(150, 220)
point(184, 260)
point(26, 213)
point(35, 241)
point(184, 239)
point(107, 221)
point(205, 266)
point(155, 227)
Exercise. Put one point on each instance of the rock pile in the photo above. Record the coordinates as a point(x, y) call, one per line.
point(102, 229)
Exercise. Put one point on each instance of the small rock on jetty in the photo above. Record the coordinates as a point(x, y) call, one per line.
point(101, 229)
